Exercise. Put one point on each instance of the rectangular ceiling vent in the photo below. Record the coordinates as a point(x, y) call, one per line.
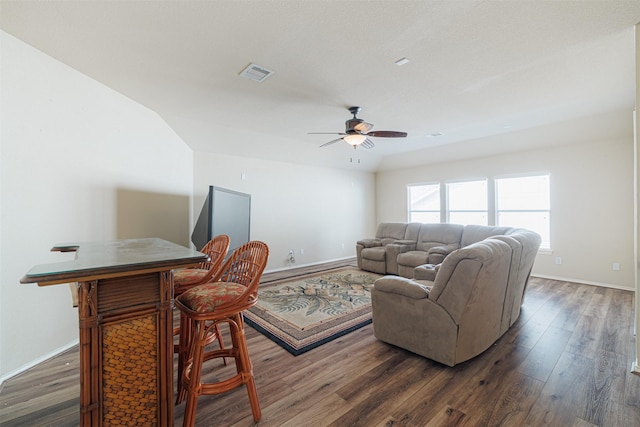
point(256, 72)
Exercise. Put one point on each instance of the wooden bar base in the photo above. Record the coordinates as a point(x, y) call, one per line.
point(125, 320)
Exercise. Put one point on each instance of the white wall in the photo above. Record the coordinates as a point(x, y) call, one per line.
point(591, 204)
point(294, 206)
point(73, 151)
point(71, 148)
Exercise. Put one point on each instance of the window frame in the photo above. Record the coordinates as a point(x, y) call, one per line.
point(410, 211)
point(447, 206)
point(546, 245)
point(492, 212)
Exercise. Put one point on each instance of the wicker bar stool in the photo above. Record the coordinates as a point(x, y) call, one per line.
point(186, 278)
point(202, 309)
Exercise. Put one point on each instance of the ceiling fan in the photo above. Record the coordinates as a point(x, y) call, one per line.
point(357, 132)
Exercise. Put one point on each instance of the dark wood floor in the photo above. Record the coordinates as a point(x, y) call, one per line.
point(566, 362)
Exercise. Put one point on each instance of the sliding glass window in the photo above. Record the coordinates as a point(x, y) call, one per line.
point(525, 202)
point(424, 203)
point(467, 202)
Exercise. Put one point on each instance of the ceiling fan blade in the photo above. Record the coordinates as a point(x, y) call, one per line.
point(368, 144)
point(326, 133)
point(363, 127)
point(331, 142)
point(387, 134)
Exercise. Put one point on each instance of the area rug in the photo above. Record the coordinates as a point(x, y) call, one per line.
point(305, 312)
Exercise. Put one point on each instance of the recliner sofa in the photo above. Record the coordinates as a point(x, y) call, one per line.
point(468, 301)
point(405, 249)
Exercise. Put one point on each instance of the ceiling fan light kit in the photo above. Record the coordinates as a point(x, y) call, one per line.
point(355, 139)
point(357, 132)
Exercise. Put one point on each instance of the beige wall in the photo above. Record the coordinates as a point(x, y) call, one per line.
point(321, 211)
point(80, 162)
point(591, 204)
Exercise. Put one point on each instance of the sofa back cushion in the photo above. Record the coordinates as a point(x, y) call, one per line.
point(476, 233)
point(432, 235)
point(471, 285)
point(413, 229)
point(530, 242)
point(511, 297)
point(481, 268)
point(390, 231)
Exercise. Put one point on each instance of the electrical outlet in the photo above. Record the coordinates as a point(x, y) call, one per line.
point(558, 260)
point(616, 266)
point(301, 251)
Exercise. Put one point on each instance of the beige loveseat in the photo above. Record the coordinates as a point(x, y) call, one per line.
point(473, 299)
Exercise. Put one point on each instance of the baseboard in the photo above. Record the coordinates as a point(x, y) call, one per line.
point(37, 361)
point(292, 266)
point(583, 282)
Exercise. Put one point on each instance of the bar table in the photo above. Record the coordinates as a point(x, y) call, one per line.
point(125, 303)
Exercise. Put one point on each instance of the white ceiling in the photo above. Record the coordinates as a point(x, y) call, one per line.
point(477, 69)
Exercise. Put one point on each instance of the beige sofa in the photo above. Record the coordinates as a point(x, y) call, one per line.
point(372, 253)
point(473, 299)
point(405, 249)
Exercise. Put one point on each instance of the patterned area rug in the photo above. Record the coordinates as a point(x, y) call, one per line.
point(303, 313)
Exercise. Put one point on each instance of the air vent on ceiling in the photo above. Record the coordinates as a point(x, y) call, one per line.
point(256, 72)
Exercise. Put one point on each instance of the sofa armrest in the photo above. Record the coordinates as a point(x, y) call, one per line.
point(402, 286)
point(444, 250)
point(369, 243)
point(395, 249)
point(437, 254)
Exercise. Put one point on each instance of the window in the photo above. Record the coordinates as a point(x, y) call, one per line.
point(424, 203)
point(525, 202)
point(467, 202)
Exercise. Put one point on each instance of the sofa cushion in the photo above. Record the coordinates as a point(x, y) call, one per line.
point(375, 254)
point(413, 258)
point(445, 235)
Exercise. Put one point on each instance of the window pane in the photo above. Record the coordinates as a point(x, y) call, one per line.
point(525, 193)
point(534, 221)
point(525, 202)
point(425, 217)
point(467, 196)
point(465, 218)
point(424, 197)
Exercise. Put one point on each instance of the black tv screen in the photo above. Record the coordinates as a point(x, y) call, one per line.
point(224, 212)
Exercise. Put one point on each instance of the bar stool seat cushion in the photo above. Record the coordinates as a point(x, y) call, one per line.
point(205, 298)
point(187, 276)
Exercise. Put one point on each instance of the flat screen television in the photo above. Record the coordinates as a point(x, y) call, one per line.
point(224, 212)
